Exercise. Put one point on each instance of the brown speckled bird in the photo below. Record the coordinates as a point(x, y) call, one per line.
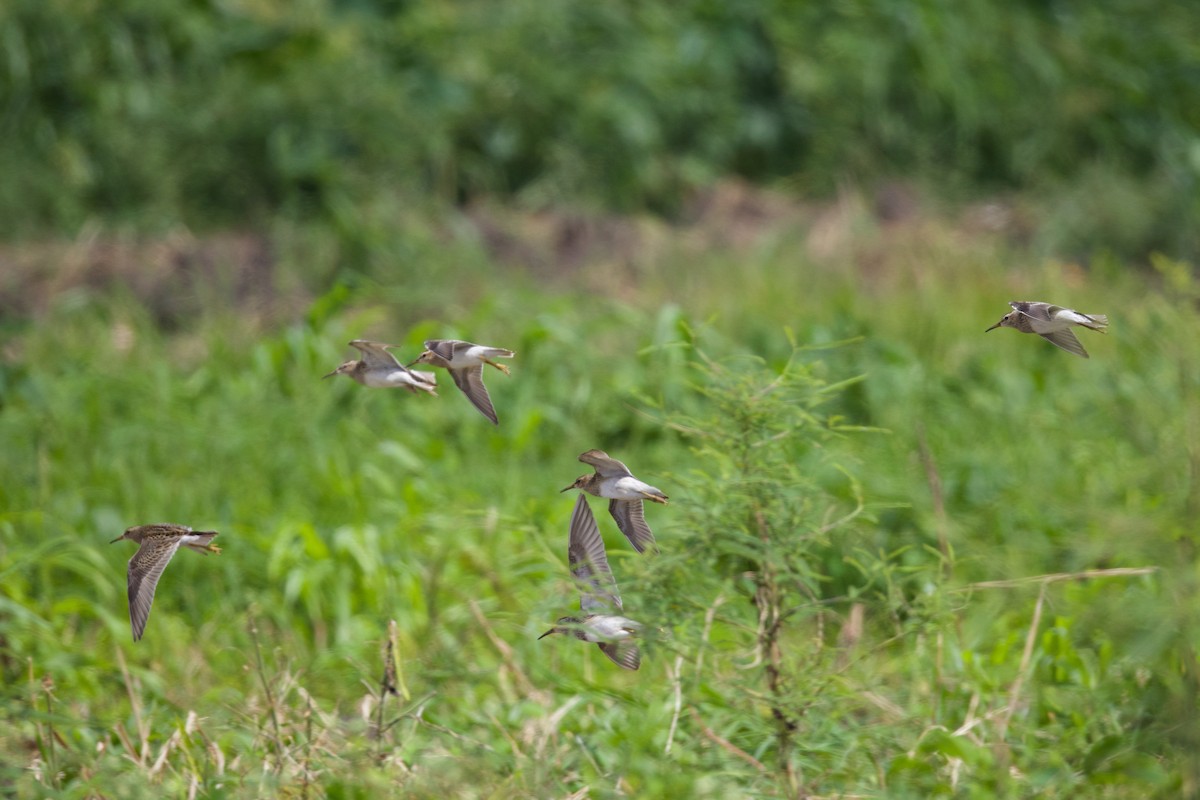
point(589, 564)
point(379, 369)
point(625, 494)
point(464, 361)
point(158, 544)
point(1053, 323)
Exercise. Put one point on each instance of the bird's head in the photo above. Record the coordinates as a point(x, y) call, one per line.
point(426, 357)
point(580, 483)
point(134, 534)
point(344, 369)
point(1005, 322)
point(562, 625)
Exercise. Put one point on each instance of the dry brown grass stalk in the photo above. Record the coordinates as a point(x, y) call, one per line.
point(725, 744)
point(1058, 577)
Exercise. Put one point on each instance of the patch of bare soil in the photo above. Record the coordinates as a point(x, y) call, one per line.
point(730, 216)
point(879, 234)
point(174, 276)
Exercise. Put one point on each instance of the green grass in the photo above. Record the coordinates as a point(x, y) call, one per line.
point(959, 457)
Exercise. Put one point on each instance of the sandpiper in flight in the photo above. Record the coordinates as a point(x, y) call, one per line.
point(589, 564)
point(464, 361)
point(379, 369)
point(625, 494)
point(1053, 323)
point(157, 544)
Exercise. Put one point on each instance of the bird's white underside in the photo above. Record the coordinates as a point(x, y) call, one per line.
point(475, 355)
point(390, 380)
point(626, 488)
point(608, 628)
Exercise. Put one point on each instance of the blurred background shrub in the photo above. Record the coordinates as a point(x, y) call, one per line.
point(205, 113)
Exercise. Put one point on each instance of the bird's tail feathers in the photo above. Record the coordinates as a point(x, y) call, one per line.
point(656, 498)
point(202, 542)
point(1097, 322)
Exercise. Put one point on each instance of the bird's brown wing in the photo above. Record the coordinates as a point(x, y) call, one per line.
point(624, 653)
point(470, 380)
point(1041, 312)
point(445, 348)
point(589, 562)
point(375, 354)
point(605, 464)
point(145, 568)
point(1067, 340)
point(631, 519)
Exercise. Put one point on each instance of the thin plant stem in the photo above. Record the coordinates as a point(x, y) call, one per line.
point(262, 675)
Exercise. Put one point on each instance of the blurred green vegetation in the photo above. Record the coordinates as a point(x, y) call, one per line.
point(902, 558)
point(811, 390)
point(205, 113)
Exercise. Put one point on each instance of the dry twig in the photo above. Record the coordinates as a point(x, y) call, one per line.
point(725, 744)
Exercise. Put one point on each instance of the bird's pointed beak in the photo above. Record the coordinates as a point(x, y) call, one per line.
point(997, 325)
point(331, 374)
point(119, 538)
point(547, 633)
point(569, 488)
